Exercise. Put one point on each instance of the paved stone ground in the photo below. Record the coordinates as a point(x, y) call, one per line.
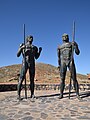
point(46, 106)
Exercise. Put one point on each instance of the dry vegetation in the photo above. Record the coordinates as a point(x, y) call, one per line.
point(45, 73)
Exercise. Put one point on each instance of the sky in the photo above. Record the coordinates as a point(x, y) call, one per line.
point(46, 20)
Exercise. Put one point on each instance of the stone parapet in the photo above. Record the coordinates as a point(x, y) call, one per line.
point(13, 87)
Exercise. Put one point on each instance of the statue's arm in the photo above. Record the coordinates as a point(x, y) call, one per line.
point(77, 51)
point(37, 53)
point(22, 46)
point(58, 54)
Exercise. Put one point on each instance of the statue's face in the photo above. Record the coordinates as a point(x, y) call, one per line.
point(65, 38)
point(29, 39)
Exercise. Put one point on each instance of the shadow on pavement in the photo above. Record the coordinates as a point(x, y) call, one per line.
point(82, 95)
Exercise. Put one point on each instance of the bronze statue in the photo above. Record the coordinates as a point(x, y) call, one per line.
point(31, 53)
point(65, 61)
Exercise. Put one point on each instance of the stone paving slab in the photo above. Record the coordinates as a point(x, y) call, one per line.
point(46, 106)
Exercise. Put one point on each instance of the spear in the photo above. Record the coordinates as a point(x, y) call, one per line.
point(73, 39)
point(24, 60)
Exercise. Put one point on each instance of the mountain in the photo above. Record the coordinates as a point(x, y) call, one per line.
point(45, 73)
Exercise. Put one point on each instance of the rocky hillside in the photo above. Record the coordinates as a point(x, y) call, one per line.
point(45, 73)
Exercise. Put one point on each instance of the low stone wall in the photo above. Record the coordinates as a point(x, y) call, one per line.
point(8, 87)
point(13, 87)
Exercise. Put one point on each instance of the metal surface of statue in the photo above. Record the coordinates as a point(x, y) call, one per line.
point(65, 60)
point(29, 53)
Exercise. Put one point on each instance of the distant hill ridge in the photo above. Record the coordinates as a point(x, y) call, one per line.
point(45, 73)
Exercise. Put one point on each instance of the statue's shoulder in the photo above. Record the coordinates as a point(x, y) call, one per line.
point(59, 46)
point(69, 44)
point(35, 47)
point(21, 44)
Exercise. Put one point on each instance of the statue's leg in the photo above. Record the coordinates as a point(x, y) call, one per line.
point(74, 78)
point(19, 87)
point(21, 78)
point(63, 70)
point(32, 75)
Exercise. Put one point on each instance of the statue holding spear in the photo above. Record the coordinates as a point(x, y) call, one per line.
point(66, 60)
point(29, 52)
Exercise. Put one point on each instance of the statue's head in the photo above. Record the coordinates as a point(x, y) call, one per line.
point(29, 38)
point(65, 37)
